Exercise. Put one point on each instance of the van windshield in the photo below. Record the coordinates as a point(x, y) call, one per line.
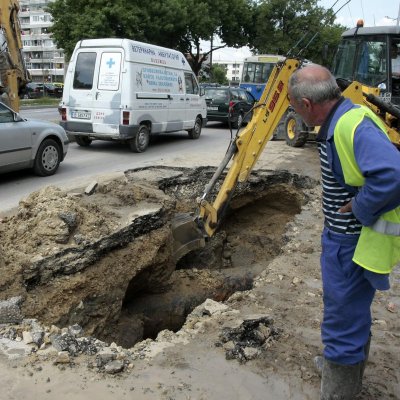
point(84, 71)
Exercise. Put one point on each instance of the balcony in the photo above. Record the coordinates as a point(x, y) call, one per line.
point(44, 72)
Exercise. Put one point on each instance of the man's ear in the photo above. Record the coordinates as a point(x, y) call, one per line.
point(307, 103)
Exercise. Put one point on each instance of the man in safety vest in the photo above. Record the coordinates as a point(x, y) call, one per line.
point(360, 174)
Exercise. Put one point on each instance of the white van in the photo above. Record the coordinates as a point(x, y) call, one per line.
point(119, 89)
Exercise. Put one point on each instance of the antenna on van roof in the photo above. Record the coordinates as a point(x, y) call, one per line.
point(291, 50)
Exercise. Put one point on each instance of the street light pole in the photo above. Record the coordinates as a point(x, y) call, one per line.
point(211, 52)
point(398, 16)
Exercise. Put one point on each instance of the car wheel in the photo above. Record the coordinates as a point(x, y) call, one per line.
point(140, 142)
point(47, 158)
point(238, 122)
point(195, 132)
point(83, 141)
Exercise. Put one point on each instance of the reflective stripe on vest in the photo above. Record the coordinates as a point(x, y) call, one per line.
point(386, 227)
point(378, 248)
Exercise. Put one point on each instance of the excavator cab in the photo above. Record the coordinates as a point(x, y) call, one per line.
point(371, 56)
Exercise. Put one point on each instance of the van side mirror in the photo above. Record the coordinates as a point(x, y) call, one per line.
point(202, 91)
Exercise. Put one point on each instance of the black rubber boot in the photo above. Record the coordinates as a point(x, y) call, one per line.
point(339, 381)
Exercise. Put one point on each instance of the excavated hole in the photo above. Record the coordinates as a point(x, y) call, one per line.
point(105, 261)
point(251, 235)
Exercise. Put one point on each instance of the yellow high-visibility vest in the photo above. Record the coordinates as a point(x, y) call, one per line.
point(378, 248)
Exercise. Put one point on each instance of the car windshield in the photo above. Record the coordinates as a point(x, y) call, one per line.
point(217, 94)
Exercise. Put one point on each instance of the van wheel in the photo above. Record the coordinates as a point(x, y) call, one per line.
point(140, 142)
point(196, 131)
point(83, 141)
point(47, 158)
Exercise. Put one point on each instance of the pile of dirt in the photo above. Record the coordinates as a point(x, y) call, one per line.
point(52, 219)
point(49, 220)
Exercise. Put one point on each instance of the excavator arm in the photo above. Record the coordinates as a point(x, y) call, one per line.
point(243, 153)
point(13, 73)
point(369, 97)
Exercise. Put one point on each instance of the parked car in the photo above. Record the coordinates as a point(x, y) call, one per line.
point(229, 104)
point(32, 90)
point(52, 90)
point(24, 143)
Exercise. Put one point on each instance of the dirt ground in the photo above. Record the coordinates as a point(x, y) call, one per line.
point(103, 262)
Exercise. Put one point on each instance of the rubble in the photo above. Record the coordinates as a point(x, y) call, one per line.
point(248, 340)
point(10, 310)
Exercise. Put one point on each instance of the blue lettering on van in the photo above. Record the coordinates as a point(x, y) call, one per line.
point(143, 50)
point(166, 54)
point(110, 63)
point(160, 79)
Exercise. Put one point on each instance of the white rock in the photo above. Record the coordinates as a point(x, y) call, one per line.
point(63, 358)
point(27, 337)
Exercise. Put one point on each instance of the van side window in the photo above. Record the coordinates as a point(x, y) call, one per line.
point(84, 71)
point(191, 84)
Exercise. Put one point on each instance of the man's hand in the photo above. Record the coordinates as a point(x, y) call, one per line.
point(346, 208)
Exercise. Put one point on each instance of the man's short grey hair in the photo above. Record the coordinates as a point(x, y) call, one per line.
point(316, 90)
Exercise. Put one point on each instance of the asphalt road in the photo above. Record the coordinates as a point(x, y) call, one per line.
point(46, 113)
point(83, 164)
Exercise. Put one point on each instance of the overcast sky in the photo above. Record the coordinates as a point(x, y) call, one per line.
point(373, 12)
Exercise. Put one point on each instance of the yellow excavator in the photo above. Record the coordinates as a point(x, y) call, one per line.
point(190, 232)
point(13, 73)
point(368, 55)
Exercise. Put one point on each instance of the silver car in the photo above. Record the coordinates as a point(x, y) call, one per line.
point(36, 144)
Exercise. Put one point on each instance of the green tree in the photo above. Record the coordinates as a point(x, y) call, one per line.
point(230, 20)
point(178, 24)
point(74, 20)
point(287, 26)
point(267, 26)
point(218, 74)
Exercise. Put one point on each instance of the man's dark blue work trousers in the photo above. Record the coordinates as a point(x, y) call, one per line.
point(347, 296)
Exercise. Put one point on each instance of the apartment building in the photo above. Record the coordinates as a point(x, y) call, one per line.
point(43, 59)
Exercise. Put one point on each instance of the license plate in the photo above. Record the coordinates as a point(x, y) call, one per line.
point(80, 114)
point(212, 108)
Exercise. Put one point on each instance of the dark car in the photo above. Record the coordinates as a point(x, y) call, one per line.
point(52, 90)
point(229, 104)
point(32, 90)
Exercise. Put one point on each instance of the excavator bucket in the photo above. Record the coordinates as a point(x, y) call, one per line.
point(186, 234)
